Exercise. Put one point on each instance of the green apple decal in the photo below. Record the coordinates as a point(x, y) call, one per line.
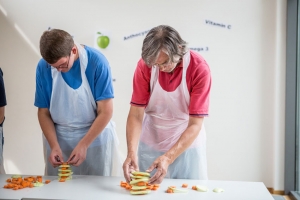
point(102, 41)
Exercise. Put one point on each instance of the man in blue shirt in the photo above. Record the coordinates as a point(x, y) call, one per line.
point(2, 105)
point(74, 96)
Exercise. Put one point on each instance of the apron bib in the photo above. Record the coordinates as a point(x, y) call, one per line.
point(73, 111)
point(166, 118)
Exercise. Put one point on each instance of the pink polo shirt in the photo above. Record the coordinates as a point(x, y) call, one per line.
point(198, 79)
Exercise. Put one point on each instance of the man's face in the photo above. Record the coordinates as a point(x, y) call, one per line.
point(163, 63)
point(64, 63)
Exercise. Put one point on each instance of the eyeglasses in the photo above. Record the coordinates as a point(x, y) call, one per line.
point(62, 65)
point(164, 65)
point(167, 66)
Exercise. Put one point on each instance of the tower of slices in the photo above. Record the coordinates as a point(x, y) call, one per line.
point(64, 172)
point(139, 183)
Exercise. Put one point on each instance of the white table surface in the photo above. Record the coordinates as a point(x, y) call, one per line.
point(99, 187)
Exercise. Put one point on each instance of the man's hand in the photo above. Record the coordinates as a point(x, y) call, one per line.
point(161, 164)
point(56, 157)
point(130, 165)
point(78, 155)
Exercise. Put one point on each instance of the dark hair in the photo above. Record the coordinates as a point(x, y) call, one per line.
point(163, 38)
point(55, 44)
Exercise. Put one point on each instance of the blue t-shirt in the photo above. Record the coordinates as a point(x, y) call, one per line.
point(98, 74)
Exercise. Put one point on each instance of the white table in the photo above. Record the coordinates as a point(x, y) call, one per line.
point(99, 187)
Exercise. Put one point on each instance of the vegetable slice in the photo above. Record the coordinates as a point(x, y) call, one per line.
point(201, 188)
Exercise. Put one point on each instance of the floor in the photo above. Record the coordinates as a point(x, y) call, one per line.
point(280, 197)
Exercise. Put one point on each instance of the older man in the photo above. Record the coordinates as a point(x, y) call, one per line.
point(170, 99)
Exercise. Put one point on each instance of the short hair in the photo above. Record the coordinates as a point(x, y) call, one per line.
point(55, 44)
point(163, 38)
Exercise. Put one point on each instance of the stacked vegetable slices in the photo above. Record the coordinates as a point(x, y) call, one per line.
point(139, 184)
point(65, 172)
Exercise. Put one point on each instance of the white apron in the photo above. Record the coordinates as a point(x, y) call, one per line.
point(166, 118)
point(73, 111)
point(2, 171)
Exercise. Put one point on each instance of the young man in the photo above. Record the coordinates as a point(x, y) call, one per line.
point(74, 96)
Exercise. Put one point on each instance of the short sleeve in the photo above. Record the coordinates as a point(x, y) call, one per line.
point(200, 86)
point(103, 79)
point(43, 85)
point(141, 85)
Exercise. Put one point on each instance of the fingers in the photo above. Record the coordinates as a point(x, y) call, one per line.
point(152, 167)
point(77, 156)
point(157, 178)
point(72, 156)
point(129, 166)
point(56, 158)
point(161, 170)
point(127, 169)
point(133, 169)
point(75, 160)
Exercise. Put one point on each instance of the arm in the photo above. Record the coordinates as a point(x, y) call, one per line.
point(48, 129)
point(133, 131)
point(187, 138)
point(2, 109)
point(104, 114)
point(2, 98)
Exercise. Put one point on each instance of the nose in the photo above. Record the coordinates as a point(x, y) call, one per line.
point(59, 69)
point(162, 68)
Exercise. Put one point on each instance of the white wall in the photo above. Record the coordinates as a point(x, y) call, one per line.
point(245, 129)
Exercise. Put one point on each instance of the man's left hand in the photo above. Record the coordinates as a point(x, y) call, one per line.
point(78, 155)
point(161, 164)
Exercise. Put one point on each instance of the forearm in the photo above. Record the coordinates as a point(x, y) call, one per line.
point(104, 114)
point(97, 127)
point(133, 131)
point(134, 128)
point(186, 139)
point(47, 127)
point(2, 109)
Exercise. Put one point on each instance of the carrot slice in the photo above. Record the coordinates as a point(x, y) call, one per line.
point(40, 179)
point(128, 186)
point(47, 181)
point(141, 184)
point(169, 191)
point(150, 187)
point(185, 185)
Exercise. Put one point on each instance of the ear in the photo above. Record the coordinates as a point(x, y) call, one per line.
point(74, 50)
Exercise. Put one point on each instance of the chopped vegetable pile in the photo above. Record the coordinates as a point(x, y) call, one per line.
point(16, 182)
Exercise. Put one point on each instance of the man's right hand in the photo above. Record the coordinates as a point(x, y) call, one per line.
point(56, 157)
point(130, 165)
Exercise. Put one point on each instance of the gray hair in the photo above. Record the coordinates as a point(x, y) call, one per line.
point(163, 38)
